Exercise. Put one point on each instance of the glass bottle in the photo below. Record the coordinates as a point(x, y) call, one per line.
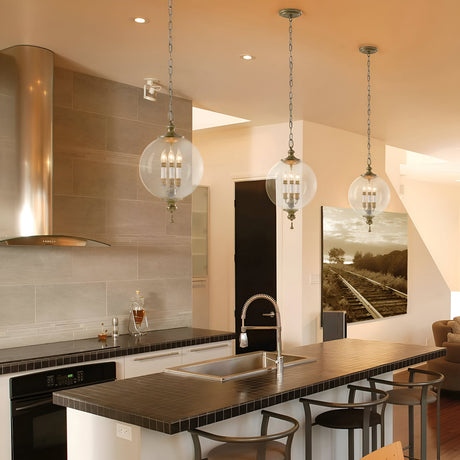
point(138, 323)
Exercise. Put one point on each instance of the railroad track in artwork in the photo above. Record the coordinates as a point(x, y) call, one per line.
point(367, 298)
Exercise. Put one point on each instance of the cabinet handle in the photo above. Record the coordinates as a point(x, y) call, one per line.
point(212, 347)
point(145, 358)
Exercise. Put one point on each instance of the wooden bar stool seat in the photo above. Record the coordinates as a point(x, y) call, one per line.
point(391, 452)
point(349, 416)
point(263, 447)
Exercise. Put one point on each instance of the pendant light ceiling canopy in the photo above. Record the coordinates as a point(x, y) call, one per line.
point(369, 194)
point(291, 184)
point(171, 167)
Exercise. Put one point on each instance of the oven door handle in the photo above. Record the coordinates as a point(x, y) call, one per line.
point(36, 404)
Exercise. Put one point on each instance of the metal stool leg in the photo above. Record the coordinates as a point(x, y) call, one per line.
point(423, 422)
point(374, 438)
point(438, 425)
point(351, 444)
point(308, 425)
point(411, 431)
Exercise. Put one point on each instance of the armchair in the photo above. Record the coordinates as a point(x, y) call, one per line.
point(448, 365)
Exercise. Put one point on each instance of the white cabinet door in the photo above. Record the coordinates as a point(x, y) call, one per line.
point(207, 351)
point(149, 363)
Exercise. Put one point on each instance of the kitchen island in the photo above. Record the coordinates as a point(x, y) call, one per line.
point(156, 406)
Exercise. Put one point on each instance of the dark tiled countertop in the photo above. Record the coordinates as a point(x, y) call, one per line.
point(77, 351)
point(172, 403)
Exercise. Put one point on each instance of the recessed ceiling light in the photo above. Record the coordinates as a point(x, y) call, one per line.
point(140, 20)
point(247, 57)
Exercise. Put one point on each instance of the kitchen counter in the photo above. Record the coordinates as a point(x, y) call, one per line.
point(35, 357)
point(173, 403)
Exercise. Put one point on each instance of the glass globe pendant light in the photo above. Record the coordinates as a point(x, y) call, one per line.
point(369, 194)
point(171, 167)
point(290, 184)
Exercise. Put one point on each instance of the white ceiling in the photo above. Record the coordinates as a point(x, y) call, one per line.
point(415, 75)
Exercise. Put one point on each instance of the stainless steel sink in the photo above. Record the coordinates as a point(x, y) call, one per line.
point(238, 366)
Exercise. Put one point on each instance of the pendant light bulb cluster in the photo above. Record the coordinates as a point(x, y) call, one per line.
point(291, 184)
point(369, 194)
point(171, 167)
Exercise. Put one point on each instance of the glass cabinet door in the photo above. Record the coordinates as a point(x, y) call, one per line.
point(200, 207)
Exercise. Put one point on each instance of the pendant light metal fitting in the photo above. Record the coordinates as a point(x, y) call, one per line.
point(368, 49)
point(290, 13)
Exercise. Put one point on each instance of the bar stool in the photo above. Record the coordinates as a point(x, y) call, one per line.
point(263, 447)
point(417, 393)
point(349, 416)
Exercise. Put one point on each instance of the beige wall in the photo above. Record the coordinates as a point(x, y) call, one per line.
point(337, 157)
point(46, 294)
point(434, 208)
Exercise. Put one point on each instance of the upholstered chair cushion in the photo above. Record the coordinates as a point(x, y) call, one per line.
point(453, 338)
point(440, 331)
point(455, 326)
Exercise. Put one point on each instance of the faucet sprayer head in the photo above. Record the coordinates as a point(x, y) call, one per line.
point(243, 338)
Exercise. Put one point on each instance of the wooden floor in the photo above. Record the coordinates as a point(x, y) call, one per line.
point(450, 428)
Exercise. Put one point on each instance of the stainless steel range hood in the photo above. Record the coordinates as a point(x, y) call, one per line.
point(26, 149)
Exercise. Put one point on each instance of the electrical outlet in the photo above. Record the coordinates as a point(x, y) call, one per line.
point(124, 432)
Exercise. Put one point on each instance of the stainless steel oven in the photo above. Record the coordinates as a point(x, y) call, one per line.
point(38, 427)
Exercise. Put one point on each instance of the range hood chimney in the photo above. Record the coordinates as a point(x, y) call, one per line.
point(26, 149)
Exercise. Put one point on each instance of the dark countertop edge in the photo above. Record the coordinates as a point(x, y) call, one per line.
point(242, 408)
point(54, 360)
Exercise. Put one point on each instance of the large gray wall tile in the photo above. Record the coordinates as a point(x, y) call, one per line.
point(93, 94)
point(58, 302)
point(8, 124)
point(79, 215)
point(100, 264)
point(79, 129)
point(62, 176)
point(131, 136)
point(29, 265)
point(105, 180)
point(63, 87)
point(167, 261)
point(156, 112)
point(17, 305)
point(126, 217)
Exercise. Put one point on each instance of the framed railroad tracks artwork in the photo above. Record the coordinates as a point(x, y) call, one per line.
point(363, 273)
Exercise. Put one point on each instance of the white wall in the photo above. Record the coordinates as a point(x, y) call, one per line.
point(337, 157)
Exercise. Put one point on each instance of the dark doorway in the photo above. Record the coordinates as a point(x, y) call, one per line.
point(255, 261)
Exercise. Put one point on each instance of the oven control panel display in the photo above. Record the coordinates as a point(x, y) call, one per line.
point(64, 380)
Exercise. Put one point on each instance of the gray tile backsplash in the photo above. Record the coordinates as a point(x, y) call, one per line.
point(50, 294)
point(70, 301)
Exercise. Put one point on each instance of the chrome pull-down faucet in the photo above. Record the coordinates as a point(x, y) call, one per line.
point(244, 328)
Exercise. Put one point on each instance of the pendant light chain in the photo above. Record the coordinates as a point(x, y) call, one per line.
point(369, 166)
point(170, 64)
point(291, 83)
